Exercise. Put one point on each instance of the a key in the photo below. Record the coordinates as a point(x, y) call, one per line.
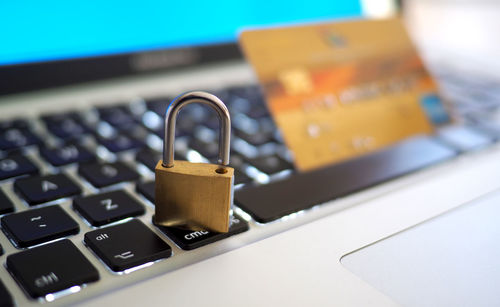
point(5, 297)
point(51, 268)
point(188, 239)
point(271, 164)
point(71, 153)
point(13, 138)
point(147, 189)
point(41, 189)
point(40, 225)
point(105, 174)
point(127, 245)
point(107, 207)
point(6, 204)
point(121, 142)
point(64, 126)
point(1, 252)
point(148, 157)
point(16, 165)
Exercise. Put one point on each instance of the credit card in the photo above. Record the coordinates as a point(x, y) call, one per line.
point(340, 90)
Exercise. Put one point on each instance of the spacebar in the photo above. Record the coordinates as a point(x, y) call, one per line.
point(301, 191)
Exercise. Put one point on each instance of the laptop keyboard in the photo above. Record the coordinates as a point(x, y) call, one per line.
point(90, 173)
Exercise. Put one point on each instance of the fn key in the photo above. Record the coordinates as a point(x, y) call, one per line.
point(51, 268)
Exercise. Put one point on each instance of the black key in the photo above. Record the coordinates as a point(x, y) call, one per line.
point(240, 177)
point(147, 189)
point(5, 297)
point(188, 239)
point(270, 164)
point(41, 189)
point(105, 174)
point(64, 126)
point(39, 225)
point(119, 117)
point(13, 138)
point(51, 268)
point(107, 207)
point(16, 165)
point(71, 153)
point(127, 245)
point(1, 252)
point(158, 105)
point(208, 149)
point(301, 191)
point(6, 204)
point(14, 123)
point(121, 142)
point(149, 158)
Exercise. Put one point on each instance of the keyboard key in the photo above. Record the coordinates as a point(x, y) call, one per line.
point(188, 239)
point(16, 165)
point(147, 189)
point(300, 191)
point(240, 177)
point(108, 207)
point(51, 268)
point(5, 297)
point(6, 205)
point(149, 158)
point(41, 189)
point(121, 142)
point(71, 153)
point(270, 164)
point(36, 226)
point(65, 126)
point(14, 123)
point(1, 252)
point(119, 117)
point(105, 174)
point(14, 138)
point(127, 245)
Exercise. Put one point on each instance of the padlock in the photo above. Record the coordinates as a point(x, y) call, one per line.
point(194, 195)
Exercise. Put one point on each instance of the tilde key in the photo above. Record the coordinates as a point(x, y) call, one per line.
point(194, 195)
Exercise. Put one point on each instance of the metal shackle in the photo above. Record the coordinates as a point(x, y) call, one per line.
point(171, 117)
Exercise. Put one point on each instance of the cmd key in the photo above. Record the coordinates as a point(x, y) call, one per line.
point(36, 226)
point(51, 268)
point(40, 189)
point(127, 245)
point(188, 239)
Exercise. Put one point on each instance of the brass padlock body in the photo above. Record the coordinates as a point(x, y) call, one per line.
point(193, 195)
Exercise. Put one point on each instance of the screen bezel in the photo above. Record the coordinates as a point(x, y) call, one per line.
point(41, 75)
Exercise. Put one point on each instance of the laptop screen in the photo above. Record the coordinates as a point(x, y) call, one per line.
point(40, 31)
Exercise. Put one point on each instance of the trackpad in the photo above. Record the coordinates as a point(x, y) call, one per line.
point(450, 260)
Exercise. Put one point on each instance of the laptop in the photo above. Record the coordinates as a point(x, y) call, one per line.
point(84, 89)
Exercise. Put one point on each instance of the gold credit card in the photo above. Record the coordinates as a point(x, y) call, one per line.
point(340, 90)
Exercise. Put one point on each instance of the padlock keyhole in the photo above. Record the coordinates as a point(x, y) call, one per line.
point(221, 170)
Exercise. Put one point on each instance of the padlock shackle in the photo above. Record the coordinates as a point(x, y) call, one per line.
point(171, 117)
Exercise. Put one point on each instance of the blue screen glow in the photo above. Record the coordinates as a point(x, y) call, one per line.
point(35, 31)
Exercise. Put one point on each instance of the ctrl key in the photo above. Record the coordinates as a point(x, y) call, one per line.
point(51, 268)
